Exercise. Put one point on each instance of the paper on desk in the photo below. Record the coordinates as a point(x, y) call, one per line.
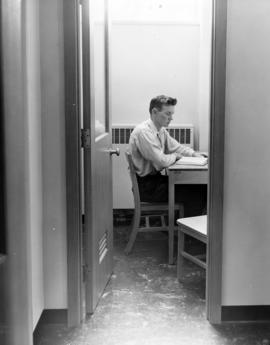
point(192, 161)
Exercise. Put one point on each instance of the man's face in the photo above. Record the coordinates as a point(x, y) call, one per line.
point(163, 117)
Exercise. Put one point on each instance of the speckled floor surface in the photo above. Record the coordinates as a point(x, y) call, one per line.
point(144, 304)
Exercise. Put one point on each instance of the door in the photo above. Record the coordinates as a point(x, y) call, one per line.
point(97, 153)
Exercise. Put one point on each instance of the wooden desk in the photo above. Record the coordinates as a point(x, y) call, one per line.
point(182, 174)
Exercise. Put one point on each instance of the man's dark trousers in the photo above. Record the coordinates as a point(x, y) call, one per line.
point(154, 188)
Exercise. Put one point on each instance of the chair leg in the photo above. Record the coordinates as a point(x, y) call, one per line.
point(134, 231)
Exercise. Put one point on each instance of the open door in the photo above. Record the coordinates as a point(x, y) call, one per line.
point(97, 160)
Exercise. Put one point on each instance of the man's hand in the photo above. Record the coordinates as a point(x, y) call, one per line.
point(178, 156)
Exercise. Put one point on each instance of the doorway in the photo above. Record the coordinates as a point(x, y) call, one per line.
point(215, 170)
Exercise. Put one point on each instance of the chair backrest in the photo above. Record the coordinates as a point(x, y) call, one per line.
point(132, 173)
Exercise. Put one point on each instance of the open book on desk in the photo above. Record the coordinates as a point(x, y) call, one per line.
point(192, 161)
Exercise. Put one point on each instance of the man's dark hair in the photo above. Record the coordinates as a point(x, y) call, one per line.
point(159, 101)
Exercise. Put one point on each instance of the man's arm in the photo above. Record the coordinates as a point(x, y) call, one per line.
point(151, 151)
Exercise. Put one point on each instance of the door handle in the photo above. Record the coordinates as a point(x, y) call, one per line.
point(114, 151)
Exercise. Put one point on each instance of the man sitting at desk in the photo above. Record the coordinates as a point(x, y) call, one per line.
point(153, 149)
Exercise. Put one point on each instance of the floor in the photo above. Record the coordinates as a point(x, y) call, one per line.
point(145, 304)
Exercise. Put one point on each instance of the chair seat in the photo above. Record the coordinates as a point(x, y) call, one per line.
point(195, 227)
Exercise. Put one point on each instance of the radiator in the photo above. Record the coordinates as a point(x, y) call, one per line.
point(122, 194)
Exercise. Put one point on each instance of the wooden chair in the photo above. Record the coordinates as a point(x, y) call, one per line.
point(146, 210)
point(195, 227)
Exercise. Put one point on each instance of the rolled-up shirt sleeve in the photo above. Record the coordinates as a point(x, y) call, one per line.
point(151, 151)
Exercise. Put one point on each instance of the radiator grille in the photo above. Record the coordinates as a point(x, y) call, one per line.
point(181, 134)
point(121, 135)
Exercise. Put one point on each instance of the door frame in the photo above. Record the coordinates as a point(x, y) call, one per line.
point(216, 162)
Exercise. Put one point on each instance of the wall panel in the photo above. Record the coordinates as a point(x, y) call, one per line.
point(246, 279)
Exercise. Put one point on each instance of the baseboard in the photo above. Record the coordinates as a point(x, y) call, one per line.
point(122, 216)
point(254, 313)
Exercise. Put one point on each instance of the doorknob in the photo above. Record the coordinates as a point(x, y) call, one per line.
point(114, 151)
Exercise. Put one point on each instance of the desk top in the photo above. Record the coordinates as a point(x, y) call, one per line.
point(188, 167)
point(198, 223)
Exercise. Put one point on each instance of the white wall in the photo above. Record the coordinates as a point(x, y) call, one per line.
point(161, 47)
point(29, 112)
point(246, 254)
point(53, 137)
point(34, 154)
point(165, 10)
point(147, 60)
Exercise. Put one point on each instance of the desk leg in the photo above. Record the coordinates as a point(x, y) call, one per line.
point(181, 247)
point(171, 217)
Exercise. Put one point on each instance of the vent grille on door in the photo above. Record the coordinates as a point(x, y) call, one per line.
point(182, 135)
point(103, 246)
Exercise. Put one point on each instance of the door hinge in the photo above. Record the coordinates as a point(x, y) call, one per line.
point(85, 138)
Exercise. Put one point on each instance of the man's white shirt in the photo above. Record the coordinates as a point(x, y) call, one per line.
point(154, 150)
